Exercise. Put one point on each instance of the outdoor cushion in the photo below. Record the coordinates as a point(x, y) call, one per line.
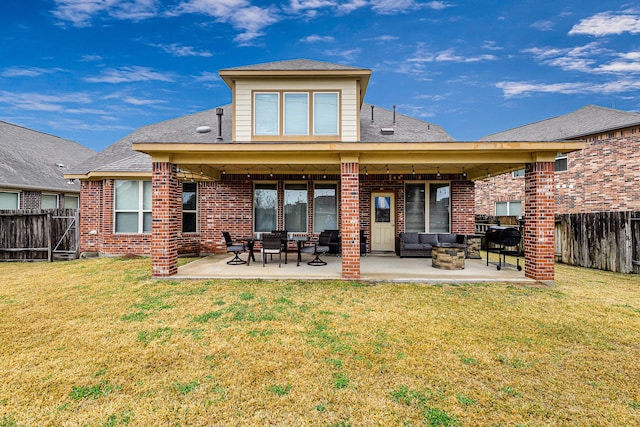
point(430, 239)
point(410, 238)
point(413, 246)
point(447, 238)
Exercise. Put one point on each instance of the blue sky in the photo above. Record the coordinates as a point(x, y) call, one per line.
point(95, 70)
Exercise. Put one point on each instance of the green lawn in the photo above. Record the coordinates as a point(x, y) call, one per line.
point(100, 343)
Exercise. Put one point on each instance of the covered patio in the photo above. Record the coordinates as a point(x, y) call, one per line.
point(373, 268)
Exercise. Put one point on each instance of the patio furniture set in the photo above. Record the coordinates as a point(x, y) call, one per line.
point(277, 243)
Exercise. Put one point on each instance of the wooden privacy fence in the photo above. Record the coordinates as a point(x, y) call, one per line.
point(39, 235)
point(603, 240)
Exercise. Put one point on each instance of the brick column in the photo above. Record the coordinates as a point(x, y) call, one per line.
point(350, 218)
point(463, 217)
point(539, 221)
point(165, 226)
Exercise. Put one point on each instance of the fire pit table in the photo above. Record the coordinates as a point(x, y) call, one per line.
point(447, 257)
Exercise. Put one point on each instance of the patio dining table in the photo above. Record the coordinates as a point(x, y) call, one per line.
point(251, 240)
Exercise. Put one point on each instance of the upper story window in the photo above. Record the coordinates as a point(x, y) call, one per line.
point(296, 114)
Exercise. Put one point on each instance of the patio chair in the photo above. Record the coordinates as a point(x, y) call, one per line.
point(272, 244)
point(335, 244)
point(235, 247)
point(284, 238)
point(318, 248)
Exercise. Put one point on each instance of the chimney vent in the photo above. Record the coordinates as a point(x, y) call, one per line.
point(219, 113)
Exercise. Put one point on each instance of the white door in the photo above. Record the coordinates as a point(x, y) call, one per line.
point(383, 222)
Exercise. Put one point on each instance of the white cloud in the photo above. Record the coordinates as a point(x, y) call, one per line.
point(449, 55)
point(315, 38)
point(176, 49)
point(81, 12)
point(579, 58)
point(514, 89)
point(542, 25)
point(26, 71)
point(34, 101)
point(608, 23)
point(346, 54)
point(207, 76)
point(129, 74)
point(137, 101)
point(389, 7)
point(627, 63)
point(91, 58)
point(351, 5)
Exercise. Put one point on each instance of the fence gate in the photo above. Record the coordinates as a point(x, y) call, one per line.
point(39, 235)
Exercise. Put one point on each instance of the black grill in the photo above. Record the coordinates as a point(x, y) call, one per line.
point(498, 239)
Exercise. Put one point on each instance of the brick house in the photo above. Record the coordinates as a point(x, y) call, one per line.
point(32, 168)
point(299, 149)
point(602, 177)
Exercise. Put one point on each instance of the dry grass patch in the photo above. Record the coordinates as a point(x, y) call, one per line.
point(100, 343)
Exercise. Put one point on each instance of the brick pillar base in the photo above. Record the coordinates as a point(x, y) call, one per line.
point(165, 210)
point(539, 221)
point(350, 219)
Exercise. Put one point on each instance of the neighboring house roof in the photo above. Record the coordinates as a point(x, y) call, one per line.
point(588, 120)
point(37, 161)
point(120, 157)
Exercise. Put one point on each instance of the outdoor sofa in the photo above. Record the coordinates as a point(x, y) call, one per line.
point(420, 244)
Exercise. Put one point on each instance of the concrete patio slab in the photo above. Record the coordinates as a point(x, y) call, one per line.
point(373, 267)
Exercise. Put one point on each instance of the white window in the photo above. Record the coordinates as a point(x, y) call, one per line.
point(295, 207)
point(325, 113)
point(561, 162)
point(71, 202)
point(132, 207)
point(189, 207)
point(266, 114)
point(49, 201)
point(265, 207)
point(9, 200)
point(512, 208)
point(325, 207)
point(296, 114)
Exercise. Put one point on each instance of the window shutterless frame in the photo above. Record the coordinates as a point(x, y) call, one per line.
point(49, 201)
point(132, 207)
point(189, 207)
point(9, 200)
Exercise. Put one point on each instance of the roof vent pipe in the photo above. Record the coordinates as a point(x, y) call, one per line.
point(219, 113)
point(394, 114)
point(372, 114)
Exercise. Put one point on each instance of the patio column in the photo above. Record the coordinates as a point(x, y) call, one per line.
point(463, 203)
point(350, 216)
point(539, 221)
point(165, 221)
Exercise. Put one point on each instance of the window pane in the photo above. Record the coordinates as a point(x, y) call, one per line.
point(325, 114)
point(126, 222)
point(414, 208)
point(49, 201)
point(325, 207)
point(127, 195)
point(295, 207)
point(189, 222)
point(560, 164)
point(383, 209)
point(266, 114)
point(9, 201)
point(146, 190)
point(439, 208)
point(265, 207)
point(515, 209)
point(296, 114)
point(502, 209)
point(71, 202)
point(189, 196)
point(146, 222)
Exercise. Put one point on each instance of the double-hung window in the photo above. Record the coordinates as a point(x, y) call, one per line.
point(325, 207)
point(296, 114)
point(562, 162)
point(265, 207)
point(511, 208)
point(9, 200)
point(295, 207)
point(189, 207)
point(132, 206)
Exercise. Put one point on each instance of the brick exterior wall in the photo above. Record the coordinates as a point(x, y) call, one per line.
point(463, 217)
point(30, 199)
point(601, 178)
point(350, 220)
point(539, 221)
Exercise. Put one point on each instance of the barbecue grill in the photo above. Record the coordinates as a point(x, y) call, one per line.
point(503, 241)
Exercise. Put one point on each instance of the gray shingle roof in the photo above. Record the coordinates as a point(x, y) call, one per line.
point(295, 65)
point(120, 157)
point(29, 159)
point(587, 120)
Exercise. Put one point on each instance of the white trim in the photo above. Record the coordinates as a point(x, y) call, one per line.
point(140, 210)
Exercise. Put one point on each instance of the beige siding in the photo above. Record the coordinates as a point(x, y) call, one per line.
point(349, 105)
